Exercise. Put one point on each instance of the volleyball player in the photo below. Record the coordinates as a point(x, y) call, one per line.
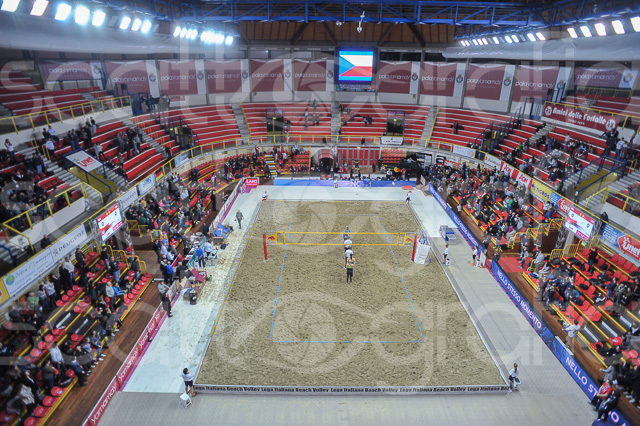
point(349, 267)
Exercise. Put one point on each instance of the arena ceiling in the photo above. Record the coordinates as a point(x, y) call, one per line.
point(381, 22)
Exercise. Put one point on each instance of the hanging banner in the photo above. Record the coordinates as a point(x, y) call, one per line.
point(523, 179)
point(26, 274)
point(579, 117)
point(152, 73)
point(132, 73)
point(128, 198)
point(492, 162)
point(600, 77)
point(463, 150)
point(68, 243)
point(65, 71)
point(223, 76)
point(540, 191)
point(83, 160)
point(395, 77)
point(628, 245)
point(310, 76)
point(147, 184)
point(442, 79)
point(178, 78)
point(391, 140)
point(267, 75)
point(486, 81)
point(534, 82)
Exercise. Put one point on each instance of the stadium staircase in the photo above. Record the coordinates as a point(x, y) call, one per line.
point(620, 185)
point(88, 96)
point(146, 138)
point(270, 161)
point(243, 128)
point(335, 118)
point(4, 111)
point(429, 123)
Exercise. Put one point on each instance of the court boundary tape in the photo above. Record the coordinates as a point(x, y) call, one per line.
point(275, 305)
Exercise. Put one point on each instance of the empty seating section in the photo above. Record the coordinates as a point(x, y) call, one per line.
point(256, 114)
point(213, 124)
point(353, 122)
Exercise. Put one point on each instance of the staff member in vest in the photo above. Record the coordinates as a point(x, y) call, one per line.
point(350, 262)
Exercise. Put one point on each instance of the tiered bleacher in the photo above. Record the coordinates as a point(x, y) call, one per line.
point(318, 121)
point(370, 120)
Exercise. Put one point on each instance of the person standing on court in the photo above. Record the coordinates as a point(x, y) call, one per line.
point(347, 243)
point(474, 255)
point(349, 266)
point(188, 382)
point(445, 255)
point(163, 288)
point(408, 200)
point(348, 252)
point(239, 218)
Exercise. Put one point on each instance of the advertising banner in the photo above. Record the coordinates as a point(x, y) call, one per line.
point(466, 233)
point(181, 159)
point(628, 245)
point(442, 79)
point(252, 182)
point(65, 71)
point(534, 82)
point(579, 223)
point(68, 243)
point(492, 162)
point(310, 76)
point(101, 406)
point(83, 160)
point(147, 184)
point(523, 179)
point(395, 77)
point(485, 81)
point(509, 169)
point(223, 76)
point(128, 198)
point(178, 78)
point(601, 77)
point(540, 191)
point(267, 75)
point(22, 277)
point(133, 74)
point(391, 140)
point(579, 117)
point(463, 150)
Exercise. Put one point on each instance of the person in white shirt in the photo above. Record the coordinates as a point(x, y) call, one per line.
point(572, 333)
point(408, 200)
point(9, 146)
point(208, 248)
point(69, 267)
point(347, 243)
point(264, 196)
point(56, 357)
point(513, 377)
point(474, 255)
point(445, 254)
point(188, 382)
point(347, 253)
point(51, 147)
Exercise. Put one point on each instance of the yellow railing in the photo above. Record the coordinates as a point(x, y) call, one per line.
point(47, 116)
point(607, 192)
point(44, 209)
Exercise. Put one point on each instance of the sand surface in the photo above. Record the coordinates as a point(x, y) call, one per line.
point(397, 324)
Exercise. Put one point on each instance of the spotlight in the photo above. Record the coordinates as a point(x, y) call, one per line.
point(531, 37)
point(515, 38)
point(572, 32)
point(136, 24)
point(10, 5)
point(508, 38)
point(124, 24)
point(496, 41)
point(359, 29)
point(485, 42)
point(540, 36)
point(218, 38)
point(600, 29)
point(475, 42)
point(194, 34)
point(39, 6)
point(585, 31)
point(62, 12)
point(146, 26)
point(82, 15)
point(617, 26)
point(462, 42)
point(183, 33)
point(176, 32)
point(635, 21)
point(98, 18)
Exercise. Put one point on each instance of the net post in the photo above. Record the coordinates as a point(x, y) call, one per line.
point(264, 244)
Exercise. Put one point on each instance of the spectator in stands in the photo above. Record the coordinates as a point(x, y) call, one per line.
point(9, 146)
point(572, 334)
point(114, 268)
point(97, 149)
point(52, 134)
point(56, 357)
point(97, 344)
point(79, 371)
point(602, 395)
point(608, 406)
point(45, 242)
point(51, 148)
point(69, 267)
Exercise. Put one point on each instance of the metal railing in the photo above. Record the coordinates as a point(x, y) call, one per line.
point(621, 166)
point(627, 201)
point(48, 116)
